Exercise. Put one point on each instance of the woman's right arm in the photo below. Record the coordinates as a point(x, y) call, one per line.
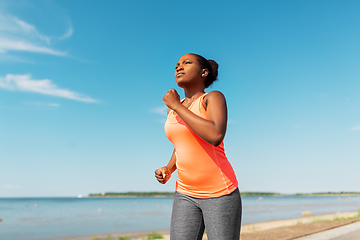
point(163, 174)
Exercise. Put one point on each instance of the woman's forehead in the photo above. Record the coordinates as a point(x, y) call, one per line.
point(187, 56)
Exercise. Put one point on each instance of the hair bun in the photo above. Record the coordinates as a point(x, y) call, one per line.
point(214, 67)
point(210, 65)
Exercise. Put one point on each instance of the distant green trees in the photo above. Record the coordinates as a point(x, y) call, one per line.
point(330, 193)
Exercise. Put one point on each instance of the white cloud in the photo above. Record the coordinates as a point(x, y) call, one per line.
point(30, 30)
point(160, 110)
point(357, 128)
point(18, 35)
point(68, 33)
point(24, 83)
point(13, 45)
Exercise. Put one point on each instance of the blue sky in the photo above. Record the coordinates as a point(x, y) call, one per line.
point(81, 89)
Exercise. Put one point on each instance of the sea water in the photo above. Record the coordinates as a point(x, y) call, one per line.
point(60, 218)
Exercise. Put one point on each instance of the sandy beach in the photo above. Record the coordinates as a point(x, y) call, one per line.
point(272, 230)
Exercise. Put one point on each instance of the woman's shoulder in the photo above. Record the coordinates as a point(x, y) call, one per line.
point(212, 97)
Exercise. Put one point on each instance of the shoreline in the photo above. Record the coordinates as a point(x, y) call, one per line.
point(249, 228)
point(130, 196)
point(242, 194)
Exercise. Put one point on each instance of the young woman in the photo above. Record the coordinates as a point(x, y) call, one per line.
point(207, 194)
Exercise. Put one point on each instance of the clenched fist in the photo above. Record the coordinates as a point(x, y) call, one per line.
point(163, 174)
point(171, 98)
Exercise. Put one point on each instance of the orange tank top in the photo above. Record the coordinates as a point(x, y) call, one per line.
point(203, 169)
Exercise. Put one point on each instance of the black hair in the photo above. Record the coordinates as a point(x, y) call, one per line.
point(211, 66)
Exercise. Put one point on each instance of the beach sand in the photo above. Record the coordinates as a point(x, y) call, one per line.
point(273, 230)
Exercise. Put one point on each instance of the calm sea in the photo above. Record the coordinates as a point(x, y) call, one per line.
point(60, 218)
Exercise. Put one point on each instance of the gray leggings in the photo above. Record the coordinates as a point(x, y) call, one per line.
point(221, 216)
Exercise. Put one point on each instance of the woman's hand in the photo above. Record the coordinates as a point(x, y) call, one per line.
point(163, 174)
point(171, 99)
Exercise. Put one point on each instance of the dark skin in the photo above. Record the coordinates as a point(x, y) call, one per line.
point(191, 77)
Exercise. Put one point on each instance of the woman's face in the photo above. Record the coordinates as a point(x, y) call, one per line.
point(188, 71)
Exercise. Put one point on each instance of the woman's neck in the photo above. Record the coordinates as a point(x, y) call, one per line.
point(191, 94)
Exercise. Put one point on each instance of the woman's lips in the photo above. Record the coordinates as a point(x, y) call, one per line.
point(179, 74)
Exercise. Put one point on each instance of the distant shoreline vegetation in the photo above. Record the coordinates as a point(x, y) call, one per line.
point(328, 193)
point(171, 194)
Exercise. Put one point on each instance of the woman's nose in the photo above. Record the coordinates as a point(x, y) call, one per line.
point(180, 67)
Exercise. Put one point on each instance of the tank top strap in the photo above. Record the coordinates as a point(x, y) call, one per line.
point(201, 107)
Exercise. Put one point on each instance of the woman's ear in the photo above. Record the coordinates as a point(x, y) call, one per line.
point(204, 73)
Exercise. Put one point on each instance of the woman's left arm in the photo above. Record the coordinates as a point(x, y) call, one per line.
point(212, 129)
